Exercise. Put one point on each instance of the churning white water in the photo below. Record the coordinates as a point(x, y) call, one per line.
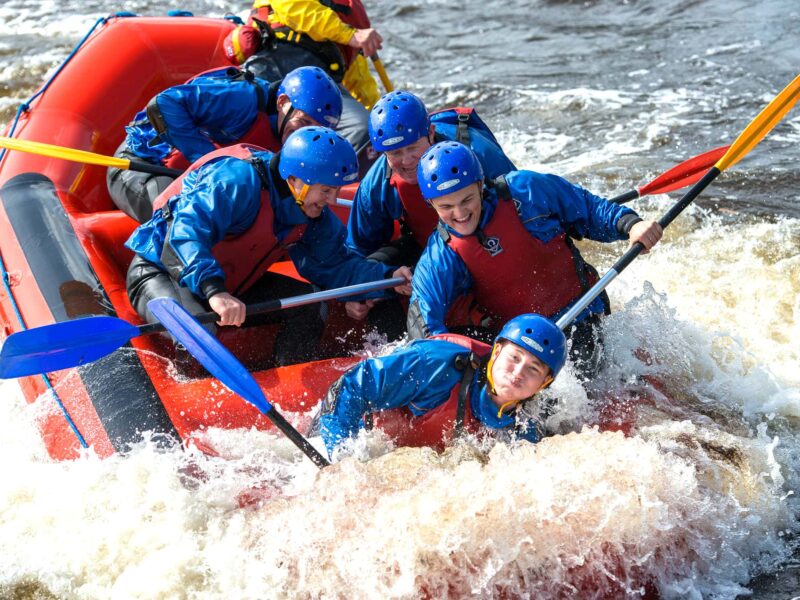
point(695, 503)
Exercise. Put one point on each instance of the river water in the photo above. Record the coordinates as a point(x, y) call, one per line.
point(699, 503)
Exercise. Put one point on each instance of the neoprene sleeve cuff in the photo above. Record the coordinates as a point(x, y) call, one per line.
point(212, 286)
point(627, 221)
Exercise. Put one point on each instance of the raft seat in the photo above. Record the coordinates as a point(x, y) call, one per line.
point(104, 235)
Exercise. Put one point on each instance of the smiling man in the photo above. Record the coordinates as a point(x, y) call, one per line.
point(217, 109)
point(431, 390)
point(509, 244)
point(217, 229)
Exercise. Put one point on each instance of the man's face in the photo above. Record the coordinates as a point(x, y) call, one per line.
point(460, 210)
point(295, 121)
point(404, 161)
point(317, 196)
point(516, 373)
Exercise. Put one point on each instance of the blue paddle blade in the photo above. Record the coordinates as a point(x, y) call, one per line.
point(206, 349)
point(62, 345)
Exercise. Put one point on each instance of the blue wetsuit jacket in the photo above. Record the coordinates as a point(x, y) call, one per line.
point(420, 376)
point(210, 108)
point(548, 206)
point(222, 198)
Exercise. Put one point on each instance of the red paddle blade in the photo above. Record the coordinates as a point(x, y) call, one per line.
point(688, 172)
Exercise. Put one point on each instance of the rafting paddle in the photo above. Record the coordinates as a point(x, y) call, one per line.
point(80, 341)
point(82, 156)
point(90, 158)
point(224, 366)
point(679, 176)
point(747, 140)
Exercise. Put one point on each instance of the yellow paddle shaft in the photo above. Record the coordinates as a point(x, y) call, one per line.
point(387, 84)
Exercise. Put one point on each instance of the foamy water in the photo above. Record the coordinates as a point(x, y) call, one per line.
point(697, 501)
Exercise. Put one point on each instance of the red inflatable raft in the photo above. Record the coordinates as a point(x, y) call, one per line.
point(61, 244)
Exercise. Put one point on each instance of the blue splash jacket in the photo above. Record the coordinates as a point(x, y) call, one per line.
point(547, 205)
point(419, 376)
point(223, 198)
point(210, 108)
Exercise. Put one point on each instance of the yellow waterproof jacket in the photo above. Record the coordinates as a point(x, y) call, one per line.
point(323, 24)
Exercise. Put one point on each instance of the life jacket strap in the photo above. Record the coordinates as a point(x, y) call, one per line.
point(156, 119)
point(462, 128)
point(261, 169)
point(500, 185)
point(467, 364)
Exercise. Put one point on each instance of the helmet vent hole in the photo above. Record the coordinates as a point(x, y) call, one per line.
point(545, 342)
point(315, 138)
point(380, 132)
point(344, 169)
point(434, 177)
point(330, 141)
point(529, 331)
point(399, 127)
point(395, 107)
point(454, 170)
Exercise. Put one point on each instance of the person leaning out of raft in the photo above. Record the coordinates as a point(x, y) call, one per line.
point(217, 229)
point(429, 391)
point(402, 130)
point(216, 109)
point(336, 36)
point(509, 243)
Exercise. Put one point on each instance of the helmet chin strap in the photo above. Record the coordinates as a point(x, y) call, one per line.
point(300, 197)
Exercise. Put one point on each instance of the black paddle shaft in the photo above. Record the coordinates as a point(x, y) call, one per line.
point(634, 251)
point(212, 317)
point(279, 304)
point(146, 167)
point(296, 438)
point(626, 197)
point(669, 217)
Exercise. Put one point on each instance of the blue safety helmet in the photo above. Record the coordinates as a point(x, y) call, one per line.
point(398, 119)
point(539, 336)
point(318, 155)
point(447, 167)
point(311, 90)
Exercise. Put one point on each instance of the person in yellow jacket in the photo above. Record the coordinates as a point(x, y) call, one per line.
point(333, 35)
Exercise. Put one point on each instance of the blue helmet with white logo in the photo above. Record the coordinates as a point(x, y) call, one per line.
point(539, 336)
point(447, 167)
point(311, 90)
point(398, 119)
point(318, 155)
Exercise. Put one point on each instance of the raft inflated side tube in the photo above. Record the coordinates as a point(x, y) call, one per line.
point(120, 391)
